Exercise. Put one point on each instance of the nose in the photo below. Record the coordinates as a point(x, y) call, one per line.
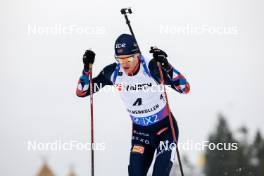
point(125, 63)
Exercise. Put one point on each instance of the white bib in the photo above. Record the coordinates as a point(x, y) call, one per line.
point(143, 96)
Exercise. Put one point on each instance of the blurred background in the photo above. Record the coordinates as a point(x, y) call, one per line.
point(217, 45)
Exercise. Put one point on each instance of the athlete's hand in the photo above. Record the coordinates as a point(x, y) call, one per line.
point(160, 56)
point(88, 58)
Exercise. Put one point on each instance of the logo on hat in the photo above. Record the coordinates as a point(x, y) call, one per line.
point(120, 45)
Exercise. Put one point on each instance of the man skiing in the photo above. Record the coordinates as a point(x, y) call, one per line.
point(141, 91)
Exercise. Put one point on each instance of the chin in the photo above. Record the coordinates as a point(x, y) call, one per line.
point(127, 69)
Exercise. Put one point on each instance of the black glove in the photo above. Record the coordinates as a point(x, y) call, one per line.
point(88, 58)
point(160, 56)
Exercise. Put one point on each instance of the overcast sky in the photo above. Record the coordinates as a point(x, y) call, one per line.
point(217, 45)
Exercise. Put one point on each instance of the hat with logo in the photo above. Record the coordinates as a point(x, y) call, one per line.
point(126, 45)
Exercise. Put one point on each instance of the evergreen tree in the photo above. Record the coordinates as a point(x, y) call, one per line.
point(227, 161)
point(258, 154)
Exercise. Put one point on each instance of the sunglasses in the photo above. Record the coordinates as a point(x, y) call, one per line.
point(125, 59)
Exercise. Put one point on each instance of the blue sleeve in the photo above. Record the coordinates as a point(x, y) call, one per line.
point(172, 77)
point(103, 79)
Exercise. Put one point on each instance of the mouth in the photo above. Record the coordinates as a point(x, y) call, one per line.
point(126, 68)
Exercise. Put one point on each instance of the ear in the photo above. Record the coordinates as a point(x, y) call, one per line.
point(138, 59)
point(137, 55)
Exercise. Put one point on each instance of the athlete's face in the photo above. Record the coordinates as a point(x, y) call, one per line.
point(129, 62)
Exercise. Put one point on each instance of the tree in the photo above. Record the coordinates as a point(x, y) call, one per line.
point(257, 152)
point(227, 161)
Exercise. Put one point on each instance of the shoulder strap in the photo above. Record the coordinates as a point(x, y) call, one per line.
point(143, 62)
point(116, 73)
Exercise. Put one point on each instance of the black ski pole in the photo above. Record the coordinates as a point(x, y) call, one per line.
point(124, 12)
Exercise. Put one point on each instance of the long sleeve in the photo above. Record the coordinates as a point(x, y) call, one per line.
point(103, 79)
point(177, 80)
point(172, 77)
